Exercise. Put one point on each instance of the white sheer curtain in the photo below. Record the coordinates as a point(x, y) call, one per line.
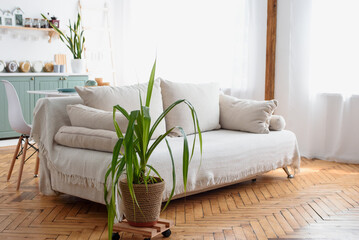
point(317, 76)
point(195, 41)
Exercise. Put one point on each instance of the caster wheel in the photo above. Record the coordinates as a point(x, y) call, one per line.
point(167, 233)
point(254, 179)
point(147, 239)
point(115, 236)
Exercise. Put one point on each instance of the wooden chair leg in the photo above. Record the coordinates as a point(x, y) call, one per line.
point(22, 164)
point(37, 165)
point(14, 157)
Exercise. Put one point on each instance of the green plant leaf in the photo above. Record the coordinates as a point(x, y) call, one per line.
point(109, 170)
point(173, 176)
point(116, 153)
point(123, 111)
point(185, 160)
point(111, 206)
point(139, 133)
point(153, 169)
point(150, 85)
point(158, 141)
point(78, 21)
point(162, 116)
point(130, 155)
point(117, 128)
point(110, 220)
point(146, 128)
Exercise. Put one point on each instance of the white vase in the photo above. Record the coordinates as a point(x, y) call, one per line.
point(78, 65)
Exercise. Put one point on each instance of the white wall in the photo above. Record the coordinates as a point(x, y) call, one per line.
point(31, 45)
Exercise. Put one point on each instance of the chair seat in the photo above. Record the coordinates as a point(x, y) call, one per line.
point(24, 129)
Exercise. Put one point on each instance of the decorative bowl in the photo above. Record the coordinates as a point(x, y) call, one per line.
point(66, 90)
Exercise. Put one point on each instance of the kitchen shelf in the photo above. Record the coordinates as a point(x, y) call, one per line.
point(50, 31)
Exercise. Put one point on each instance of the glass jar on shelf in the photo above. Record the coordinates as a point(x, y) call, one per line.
point(25, 66)
point(37, 66)
point(28, 22)
point(12, 66)
point(36, 23)
point(49, 67)
point(44, 23)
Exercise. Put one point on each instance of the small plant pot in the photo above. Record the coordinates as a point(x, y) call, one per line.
point(149, 199)
point(78, 65)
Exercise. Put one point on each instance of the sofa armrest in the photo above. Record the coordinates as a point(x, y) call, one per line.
point(276, 123)
point(49, 115)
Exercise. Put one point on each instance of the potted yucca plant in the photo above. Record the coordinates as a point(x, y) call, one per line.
point(74, 42)
point(142, 191)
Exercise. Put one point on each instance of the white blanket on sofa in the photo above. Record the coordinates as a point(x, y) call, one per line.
point(228, 156)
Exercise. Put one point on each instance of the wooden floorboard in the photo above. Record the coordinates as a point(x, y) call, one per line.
point(322, 202)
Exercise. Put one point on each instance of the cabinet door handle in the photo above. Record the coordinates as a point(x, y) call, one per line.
point(32, 79)
point(60, 78)
point(65, 78)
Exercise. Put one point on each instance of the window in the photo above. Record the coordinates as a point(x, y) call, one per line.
point(195, 41)
point(335, 46)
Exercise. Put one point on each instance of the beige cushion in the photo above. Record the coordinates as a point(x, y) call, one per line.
point(79, 137)
point(88, 117)
point(277, 123)
point(104, 98)
point(204, 98)
point(246, 115)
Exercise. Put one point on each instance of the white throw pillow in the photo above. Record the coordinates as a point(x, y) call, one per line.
point(106, 97)
point(277, 123)
point(246, 115)
point(205, 99)
point(79, 137)
point(88, 117)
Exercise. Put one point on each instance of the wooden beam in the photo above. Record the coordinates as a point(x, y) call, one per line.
point(271, 47)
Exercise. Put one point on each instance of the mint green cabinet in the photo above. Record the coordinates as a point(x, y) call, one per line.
point(73, 81)
point(28, 101)
point(47, 83)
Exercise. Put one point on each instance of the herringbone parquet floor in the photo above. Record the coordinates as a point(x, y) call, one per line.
point(322, 202)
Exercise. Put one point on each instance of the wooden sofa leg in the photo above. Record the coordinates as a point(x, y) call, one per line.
point(288, 173)
point(37, 165)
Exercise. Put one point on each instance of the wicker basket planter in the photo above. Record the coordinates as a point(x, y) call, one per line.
point(149, 199)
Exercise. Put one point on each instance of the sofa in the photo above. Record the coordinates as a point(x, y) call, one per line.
point(238, 144)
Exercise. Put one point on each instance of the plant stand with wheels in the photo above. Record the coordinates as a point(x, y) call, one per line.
point(161, 227)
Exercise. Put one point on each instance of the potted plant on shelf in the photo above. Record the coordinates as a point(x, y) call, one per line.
point(140, 191)
point(74, 42)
